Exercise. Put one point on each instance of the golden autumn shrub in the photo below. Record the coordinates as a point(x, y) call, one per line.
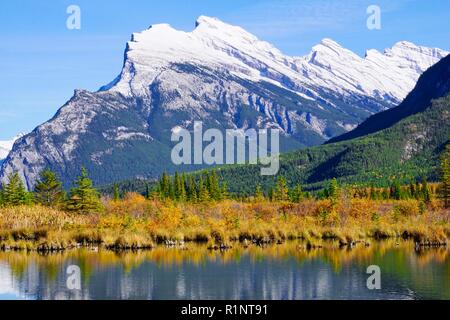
point(406, 208)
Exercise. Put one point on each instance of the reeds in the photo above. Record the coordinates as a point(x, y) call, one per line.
point(137, 223)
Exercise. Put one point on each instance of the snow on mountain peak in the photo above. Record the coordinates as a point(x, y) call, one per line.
point(220, 46)
point(210, 22)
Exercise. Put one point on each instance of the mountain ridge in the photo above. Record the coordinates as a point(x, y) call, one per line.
point(414, 103)
point(221, 75)
point(407, 150)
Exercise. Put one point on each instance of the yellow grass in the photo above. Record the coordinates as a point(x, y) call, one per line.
point(135, 223)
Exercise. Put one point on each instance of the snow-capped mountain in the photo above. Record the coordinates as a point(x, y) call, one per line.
point(227, 78)
point(7, 145)
point(391, 74)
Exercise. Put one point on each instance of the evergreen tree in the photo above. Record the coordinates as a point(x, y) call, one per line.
point(213, 186)
point(426, 194)
point(417, 193)
point(179, 190)
point(14, 193)
point(147, 191)
point(48, 190)
point(184, 188)
point(412, 190)
point(445, 176)
point(396, 190)
point(192, 189)
point(224, 191)
point(281, 192)
point(203, 194)
point(164, 185)
point(373, 193)
point(83, 197)
point(258, 193)
point(297, 194)
point(333, 190)
point(271, 194)
point(385, 194)
point(116, 194)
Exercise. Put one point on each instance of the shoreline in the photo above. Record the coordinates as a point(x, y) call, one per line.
point(137, 223)
point(303, 244)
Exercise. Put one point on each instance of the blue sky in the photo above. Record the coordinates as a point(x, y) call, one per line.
point(42, 62)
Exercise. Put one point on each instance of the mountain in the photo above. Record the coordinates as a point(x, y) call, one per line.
point(227, 78)
point(408, 149)
point(433, 84)
point(6, 146)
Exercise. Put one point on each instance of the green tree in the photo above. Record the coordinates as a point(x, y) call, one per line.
point(116, 193)
point(83, 197)
point(297, 194)
point(203, 194)
point(165, 186)
point(259, 195)
point(14, 192)
point(426, 193)
point(281, 192)
point(445, 176)
point(224, 191)
point(412, 189)
point(147, 191)
point(396, 190)
point(192, 189)
point(48, 190)
point(271, 194)
point(213, 186)
point(334, 189)
point(179, 190)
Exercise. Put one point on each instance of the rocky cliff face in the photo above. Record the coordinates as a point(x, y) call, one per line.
point(227, 78)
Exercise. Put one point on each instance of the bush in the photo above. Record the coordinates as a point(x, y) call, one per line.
point(406, 208)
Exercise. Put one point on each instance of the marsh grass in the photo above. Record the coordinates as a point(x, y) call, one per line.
point(137, 223)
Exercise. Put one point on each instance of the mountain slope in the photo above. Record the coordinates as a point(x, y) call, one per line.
point(433, 84)
point(410, 148)
point(221, 75)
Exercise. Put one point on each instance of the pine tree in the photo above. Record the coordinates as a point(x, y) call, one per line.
point(213, 186)
point(184, 188)
point(48, 190)
point(259, 195)
point(203, 194)
point(116, 194)
point(281, 192)
point(426, 194)
point(417, 193)
point(271, 194)
point(164, 185)
point(14, 193)
point(333, 190)
point(83, 197)
point(396, 190)
point(179, 190)
point(445, 176)
point(297, 194)
point(192, 189)
point(176, 186)
point(147, 191)
point(224, 191)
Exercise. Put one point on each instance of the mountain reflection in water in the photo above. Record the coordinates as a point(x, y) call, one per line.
point(274, 272)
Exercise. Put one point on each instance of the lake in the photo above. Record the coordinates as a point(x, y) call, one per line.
point(275, 272)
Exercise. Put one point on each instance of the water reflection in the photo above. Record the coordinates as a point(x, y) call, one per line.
point(275, 272)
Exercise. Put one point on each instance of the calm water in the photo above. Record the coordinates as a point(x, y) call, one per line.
point(275, 272)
